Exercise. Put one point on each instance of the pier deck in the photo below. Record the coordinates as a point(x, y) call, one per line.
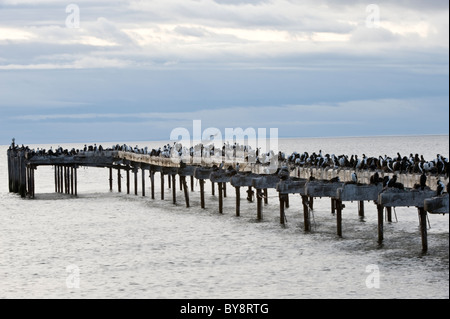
point(284, 177)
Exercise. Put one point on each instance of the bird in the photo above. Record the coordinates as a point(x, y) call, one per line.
point(354, 177)
point(237, 167)
point(374, 179)
point(423, 181)
point(392, 181)
point(440, 188)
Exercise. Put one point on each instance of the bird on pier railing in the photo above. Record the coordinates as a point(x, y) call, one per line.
point(375, 178)
point(423, 181)
point(440, 188)
point(354, 178)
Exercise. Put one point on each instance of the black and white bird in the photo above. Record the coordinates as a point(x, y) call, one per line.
point(392, 181)
point(423, 181)
point(354, 177)
point(440, 188)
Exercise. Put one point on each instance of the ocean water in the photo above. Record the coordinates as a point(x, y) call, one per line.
point(105, 244)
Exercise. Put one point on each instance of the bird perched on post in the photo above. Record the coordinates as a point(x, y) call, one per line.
point(354, 178)
point(392, 181)
point(423, 181)
point(440, 188)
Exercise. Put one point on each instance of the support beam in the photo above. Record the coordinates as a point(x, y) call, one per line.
point(119, 181)
point(143, 181)
point(220, 197)
point(135, 171)
point(380, 209)
point(423, 228)
point(259, 201)
point(339, 217)
point(174, 188)
point(238, 201)
point(162, 185)
point(202, 193)
point(110, 179)
point(152, 182)
point(128, 180)
point(306, 216)
point(75, 181)
point(71, 181)
point(389, 214)
point(361, 208)
point(56, 178)
point(282, 205)
point(186, 190)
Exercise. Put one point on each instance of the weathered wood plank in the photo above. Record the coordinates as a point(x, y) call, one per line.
point(322, 189)
point(437, 205)
point(358, 192)
point(393, 197)
point(292, 186)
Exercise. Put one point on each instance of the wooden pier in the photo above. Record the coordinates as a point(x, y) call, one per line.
point(310, 183)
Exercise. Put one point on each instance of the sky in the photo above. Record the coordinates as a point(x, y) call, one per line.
point(134, 70)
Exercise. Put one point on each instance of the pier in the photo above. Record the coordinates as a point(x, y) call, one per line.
point(384, 184)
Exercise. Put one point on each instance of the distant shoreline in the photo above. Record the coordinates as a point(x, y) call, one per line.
point(280, 138)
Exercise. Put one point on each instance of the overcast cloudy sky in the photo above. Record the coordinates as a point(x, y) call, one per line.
point(133, 70)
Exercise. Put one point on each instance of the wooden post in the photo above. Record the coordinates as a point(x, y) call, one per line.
point(169, 182)
point(192, 183)
point(61, 180)
point(174, 188)
point(238, 201)
point(202, 193)
point(71, 181)
point(266, 197)
point(389, 214)
point(259, 204)
point(224, 189)
point(119, 181)
point(220, 198)
point(286, 200)
point(65, 180)
point(143, 181)
point(212, 189)
point(282, 204)
point(56, 178)
point(339, 217)
point(361, 208)
point(162, 185)
point(250, 194)
point(135, 171)
point(306, 202)
point(152, 182)
point(311, 202)
point(75, 182)
point(181, 182)
point(186, 190)
point(110, 179)
point(333, 206)
point(28, 179)
point(423, 228)
point(128, 180)
point(380, 223)
point(32, 182)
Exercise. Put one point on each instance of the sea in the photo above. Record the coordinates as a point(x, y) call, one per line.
point(111, 245)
